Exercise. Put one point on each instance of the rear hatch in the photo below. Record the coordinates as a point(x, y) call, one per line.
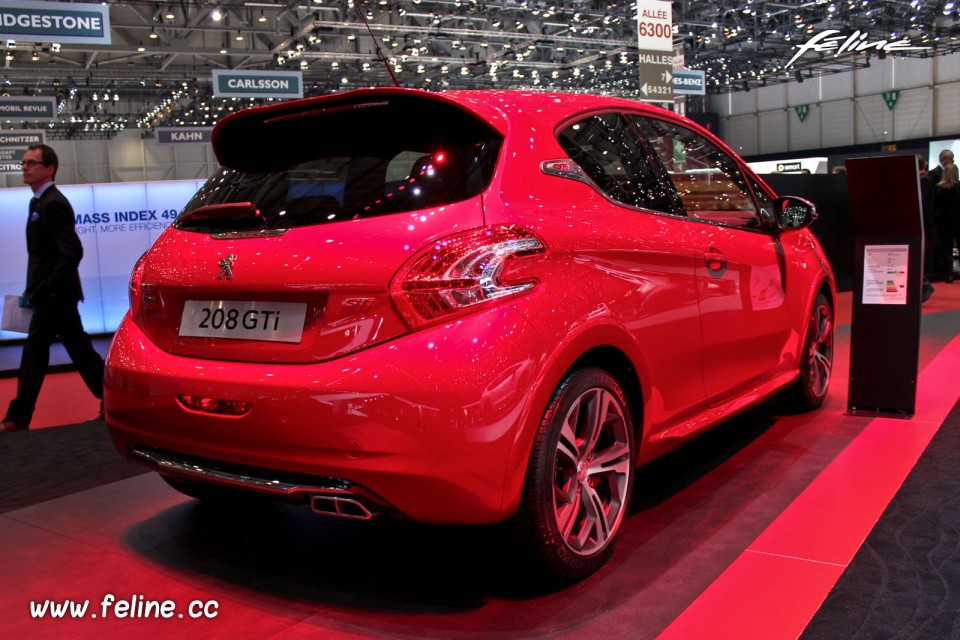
point(287, 254)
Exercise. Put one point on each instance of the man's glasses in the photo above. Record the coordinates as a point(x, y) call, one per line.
point(27, 164)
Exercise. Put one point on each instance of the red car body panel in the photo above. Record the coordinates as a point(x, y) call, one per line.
point(438, 421)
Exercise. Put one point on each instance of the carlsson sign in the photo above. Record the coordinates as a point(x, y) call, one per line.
point(257, 84)
point(834, 40)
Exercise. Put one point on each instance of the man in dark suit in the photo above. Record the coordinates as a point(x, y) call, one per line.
point(945, 157)
point(940, 238)
point(53, 289)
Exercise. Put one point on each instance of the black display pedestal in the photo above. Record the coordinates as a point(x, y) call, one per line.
point(888, 275)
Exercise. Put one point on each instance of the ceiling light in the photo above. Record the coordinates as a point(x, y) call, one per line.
point(239, 36)
point(217, 14)
point(35, 56)
point(141, 48)
point(153, 34)
point(262, 17)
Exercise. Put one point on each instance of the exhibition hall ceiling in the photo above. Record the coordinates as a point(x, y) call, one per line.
point(157, 69)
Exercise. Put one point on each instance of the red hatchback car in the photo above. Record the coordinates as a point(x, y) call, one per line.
point(465, 307)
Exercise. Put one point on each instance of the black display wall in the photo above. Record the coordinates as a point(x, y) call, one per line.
point(834, 227)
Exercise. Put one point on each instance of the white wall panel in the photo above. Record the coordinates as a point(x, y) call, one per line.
point(909, 73)
point(836, 87)
point(772, 136)
point(719, 104)
point(740, 132)
point(743, 101)
point(836, 123)
point(851, 107)
point(873, 120)
point(876, 78)
point(913, 114)
point(946, 109)
point(946, 68)
point(806, 134)
point(806, 92)
point(772, 97)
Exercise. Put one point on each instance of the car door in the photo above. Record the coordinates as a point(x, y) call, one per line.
point(644, 250)
point(739, 267)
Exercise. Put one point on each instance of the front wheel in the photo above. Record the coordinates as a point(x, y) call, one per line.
point(579, 477)
point(816, 359)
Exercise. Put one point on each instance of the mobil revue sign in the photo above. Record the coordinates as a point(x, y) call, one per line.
point(34, 21)
point(257, 84)
point(27, 108)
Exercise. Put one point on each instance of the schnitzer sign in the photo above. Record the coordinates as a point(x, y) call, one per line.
point(833, 40)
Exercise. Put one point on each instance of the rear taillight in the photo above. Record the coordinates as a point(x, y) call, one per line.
point(457, 273)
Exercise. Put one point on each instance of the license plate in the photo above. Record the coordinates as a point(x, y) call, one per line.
point(244, 320)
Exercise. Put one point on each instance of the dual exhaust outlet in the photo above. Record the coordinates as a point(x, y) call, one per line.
point(338, 505)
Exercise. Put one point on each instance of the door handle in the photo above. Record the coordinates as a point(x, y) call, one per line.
point(715, 262)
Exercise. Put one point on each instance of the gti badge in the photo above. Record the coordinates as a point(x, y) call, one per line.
point(226, 267)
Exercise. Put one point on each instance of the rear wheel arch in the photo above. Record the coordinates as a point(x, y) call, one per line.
point(621, 367)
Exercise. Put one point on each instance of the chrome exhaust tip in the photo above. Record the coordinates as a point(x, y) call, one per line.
point(340, 506)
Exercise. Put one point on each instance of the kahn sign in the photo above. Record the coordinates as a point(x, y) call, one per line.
point(833, 40)
point(54, 22)
point(257, 84)
point(184, 135)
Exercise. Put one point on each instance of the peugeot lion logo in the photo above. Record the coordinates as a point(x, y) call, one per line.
point(226, 267)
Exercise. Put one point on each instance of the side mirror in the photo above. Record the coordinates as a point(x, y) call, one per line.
point(794, 213)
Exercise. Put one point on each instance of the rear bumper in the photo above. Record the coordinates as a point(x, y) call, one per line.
point(427, 424)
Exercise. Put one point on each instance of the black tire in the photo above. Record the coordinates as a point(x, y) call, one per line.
point(816, 360)
point(579, 477)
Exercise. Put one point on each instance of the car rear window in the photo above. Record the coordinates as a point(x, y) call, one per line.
point(346, 163)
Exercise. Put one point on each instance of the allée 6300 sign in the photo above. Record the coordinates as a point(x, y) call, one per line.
point(655, 23)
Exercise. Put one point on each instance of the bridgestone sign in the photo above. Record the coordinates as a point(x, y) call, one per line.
point(257, 84)
point(54, 22)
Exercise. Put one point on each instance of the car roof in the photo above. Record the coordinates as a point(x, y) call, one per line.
point(502, 110)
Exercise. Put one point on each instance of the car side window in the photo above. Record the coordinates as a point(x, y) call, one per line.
point(612, 155)
point(766, 203)
point(709, 182)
